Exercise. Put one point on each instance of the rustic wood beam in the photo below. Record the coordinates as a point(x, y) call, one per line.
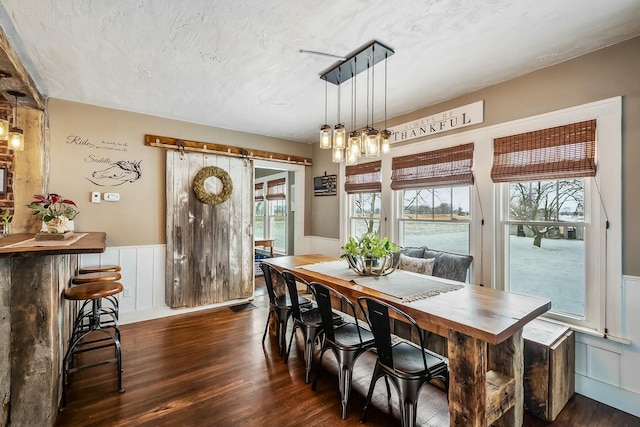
point(20, 79)
point(223, 150)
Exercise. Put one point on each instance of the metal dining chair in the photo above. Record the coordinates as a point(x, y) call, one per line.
point(347, 341)
point(404, 363)
point(307, 319)
point(280, 306)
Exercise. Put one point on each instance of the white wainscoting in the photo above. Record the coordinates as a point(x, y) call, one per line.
point(143, 281)
point(608, 371)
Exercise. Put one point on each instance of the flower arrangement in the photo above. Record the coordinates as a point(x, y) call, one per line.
point(52, 206)
point(5, 220)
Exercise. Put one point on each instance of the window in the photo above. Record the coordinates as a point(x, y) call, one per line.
point(435, 198)
point(437, 218)
point(277, 213)
point(258, 211)
point(363, 186)
point(547, 216)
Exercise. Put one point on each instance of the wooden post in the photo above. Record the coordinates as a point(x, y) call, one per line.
point(467, 389)
point(508, 359)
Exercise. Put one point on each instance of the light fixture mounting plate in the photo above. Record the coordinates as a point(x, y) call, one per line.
point(16, 93)
point(361, 60)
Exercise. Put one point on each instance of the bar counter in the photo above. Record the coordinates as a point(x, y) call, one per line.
point(34, 322)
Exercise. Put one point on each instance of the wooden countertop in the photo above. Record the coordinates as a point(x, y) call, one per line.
point(93, 242)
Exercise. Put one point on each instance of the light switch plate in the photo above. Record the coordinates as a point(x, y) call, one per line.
point(95, 197)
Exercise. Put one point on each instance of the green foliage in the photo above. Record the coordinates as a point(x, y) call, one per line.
point(370, 245)
point(52, 206)
point(6, 217)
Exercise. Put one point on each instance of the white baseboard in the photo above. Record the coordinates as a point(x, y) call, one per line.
point(616, 397)
point(166, 311)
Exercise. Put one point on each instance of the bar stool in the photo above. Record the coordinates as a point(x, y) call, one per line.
point(79, 343)
point(98, 274)
point(103, 269)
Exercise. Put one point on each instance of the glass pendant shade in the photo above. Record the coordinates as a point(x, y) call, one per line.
point(339, 140)
point(372, 143)
point(354, 143)
point(337, 154)
point(351, 158)
point(325, 136)
point(16, 139)
point(385, 137)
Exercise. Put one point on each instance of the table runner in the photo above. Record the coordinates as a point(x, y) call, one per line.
point(32, 242)
point(401, 284)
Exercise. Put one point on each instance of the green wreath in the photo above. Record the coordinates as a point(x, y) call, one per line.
point(201, 192)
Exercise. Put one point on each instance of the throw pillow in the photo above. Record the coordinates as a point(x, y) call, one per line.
point(416, 265)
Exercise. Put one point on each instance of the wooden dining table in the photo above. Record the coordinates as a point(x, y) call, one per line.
point(484, 331)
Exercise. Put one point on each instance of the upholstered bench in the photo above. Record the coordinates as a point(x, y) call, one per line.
point(446, 265)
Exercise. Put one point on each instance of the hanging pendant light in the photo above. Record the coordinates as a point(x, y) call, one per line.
point(4, 119)
point(350, 145)
point(16, 135)
point(325, 129)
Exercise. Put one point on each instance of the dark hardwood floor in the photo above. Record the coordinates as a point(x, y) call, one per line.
point(210, 368)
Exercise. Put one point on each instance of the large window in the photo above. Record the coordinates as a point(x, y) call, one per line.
point(277, 213)
point(258, 212)
point(435, 198)
point(365, 213)
point(547, 217)
point(437, 218)
point(545, 243)
point(363, 186)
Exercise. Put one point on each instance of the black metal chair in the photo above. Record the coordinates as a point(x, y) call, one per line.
point(281, 306)
point(307, 319)
point(347, 341)
point(407, 365)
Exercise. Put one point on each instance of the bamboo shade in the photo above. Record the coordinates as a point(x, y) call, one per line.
point(555, 153)
point(258, 192)
point(364, 178)
point(276, 189)
point(439, 168)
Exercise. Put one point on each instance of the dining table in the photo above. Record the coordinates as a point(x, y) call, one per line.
point(483, 327)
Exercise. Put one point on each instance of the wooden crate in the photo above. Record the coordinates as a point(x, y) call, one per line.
point(549, 368)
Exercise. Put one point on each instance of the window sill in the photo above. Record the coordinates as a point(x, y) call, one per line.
point(589, 331)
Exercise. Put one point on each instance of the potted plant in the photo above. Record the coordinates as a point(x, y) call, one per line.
point(371, 255)
point(56, 211)
point(5, 220)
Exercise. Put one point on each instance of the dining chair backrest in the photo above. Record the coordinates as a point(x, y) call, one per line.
point(377, 314)
point(291, 280)
point(266, 270)
point(323, 296)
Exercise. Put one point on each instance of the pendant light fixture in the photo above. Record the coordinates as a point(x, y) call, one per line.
point(349, 146)
point(16, 135)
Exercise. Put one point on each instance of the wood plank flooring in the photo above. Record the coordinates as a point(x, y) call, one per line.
point(210, 368)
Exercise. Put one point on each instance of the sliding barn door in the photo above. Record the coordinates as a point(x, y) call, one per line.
point(209, 247)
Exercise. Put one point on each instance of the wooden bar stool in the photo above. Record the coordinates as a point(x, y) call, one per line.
point(80, 342)
point(98, 274)
point(103, 269)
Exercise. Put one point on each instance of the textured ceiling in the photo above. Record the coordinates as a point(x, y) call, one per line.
point(237, 64)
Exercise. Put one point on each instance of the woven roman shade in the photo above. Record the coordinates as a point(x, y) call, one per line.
point(258, 192)
point(276, 189)
point(364, 178)
point(439, 168)
point(555, 153)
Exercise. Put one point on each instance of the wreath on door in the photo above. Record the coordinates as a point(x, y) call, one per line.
point(201, 192)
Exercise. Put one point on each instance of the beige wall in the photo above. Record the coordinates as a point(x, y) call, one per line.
point(606, 73)
point(84, 139)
